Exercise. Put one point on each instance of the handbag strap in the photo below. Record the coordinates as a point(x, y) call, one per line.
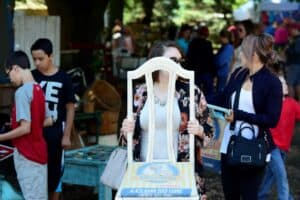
point(249, 126)
point(237, 98)
point(235, 106)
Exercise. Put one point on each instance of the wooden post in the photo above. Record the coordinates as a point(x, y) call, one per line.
point(6, 30)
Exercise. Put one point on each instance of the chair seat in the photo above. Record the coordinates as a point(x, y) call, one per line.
point(158, 180)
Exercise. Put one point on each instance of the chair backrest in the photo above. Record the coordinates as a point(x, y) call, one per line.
point(174, 70)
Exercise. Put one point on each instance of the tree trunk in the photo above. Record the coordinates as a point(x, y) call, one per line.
point(6, 29)
point(116, 8)
point(81, 24)
point(148, 6)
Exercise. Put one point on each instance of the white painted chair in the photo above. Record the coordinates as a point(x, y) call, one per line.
point(159, 179)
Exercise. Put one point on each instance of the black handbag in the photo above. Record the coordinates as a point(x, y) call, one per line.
point(244, 153)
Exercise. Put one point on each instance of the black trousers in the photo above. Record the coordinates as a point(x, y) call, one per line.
point(240, 183)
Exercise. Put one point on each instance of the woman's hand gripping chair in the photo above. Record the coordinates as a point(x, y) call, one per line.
point(159, 179)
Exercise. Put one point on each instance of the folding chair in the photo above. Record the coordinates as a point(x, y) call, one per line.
point(159, 179)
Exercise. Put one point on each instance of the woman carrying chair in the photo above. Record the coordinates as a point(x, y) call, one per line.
point(181, 125)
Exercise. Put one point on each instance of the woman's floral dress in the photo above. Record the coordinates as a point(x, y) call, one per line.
point(201, 112)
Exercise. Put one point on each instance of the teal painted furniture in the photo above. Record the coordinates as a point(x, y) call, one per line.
point(7, 192)
point(85, 166)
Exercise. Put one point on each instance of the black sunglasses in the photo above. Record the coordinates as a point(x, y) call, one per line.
point(180, 61)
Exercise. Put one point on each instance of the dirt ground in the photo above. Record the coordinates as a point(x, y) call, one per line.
point(213, 180)
point(214, 192)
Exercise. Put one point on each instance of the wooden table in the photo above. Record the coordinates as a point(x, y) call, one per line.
point(85, 166)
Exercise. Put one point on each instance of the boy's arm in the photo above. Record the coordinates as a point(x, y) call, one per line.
point(66, 140)
point(23, 129)
point(48, 122)
point(23, 114)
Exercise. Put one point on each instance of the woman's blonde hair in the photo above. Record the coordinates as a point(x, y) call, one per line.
point(262, 45)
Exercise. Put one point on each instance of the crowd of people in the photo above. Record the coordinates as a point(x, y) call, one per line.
point(245, 67)
point(252, 64)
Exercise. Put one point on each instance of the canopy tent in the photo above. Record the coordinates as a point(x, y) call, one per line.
point(245, 11)
point(278, 5)
point(249, 11)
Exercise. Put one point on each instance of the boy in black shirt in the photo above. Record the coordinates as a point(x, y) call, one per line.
point(59, 95)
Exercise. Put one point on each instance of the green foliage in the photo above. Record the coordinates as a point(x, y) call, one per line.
point(133, 11)
point(181, 11)
point(216, 14)
point(164, 11)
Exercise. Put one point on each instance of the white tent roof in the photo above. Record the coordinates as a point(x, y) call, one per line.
point(246, 11)
point(278, 5)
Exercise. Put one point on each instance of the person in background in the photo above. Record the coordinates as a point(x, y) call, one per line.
point(282, 134)
point(122, 46)
point(223, 59)
point(281, 35)
point(260, 103)
point(117, 47)
point(293, 63)
point(236, 41)
point(181, 125)
point(270, 28)
point(60, 100)
point(184, 37)
point(128, 40)
point(244, 28)
point(27, 119)
point(200, 59)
